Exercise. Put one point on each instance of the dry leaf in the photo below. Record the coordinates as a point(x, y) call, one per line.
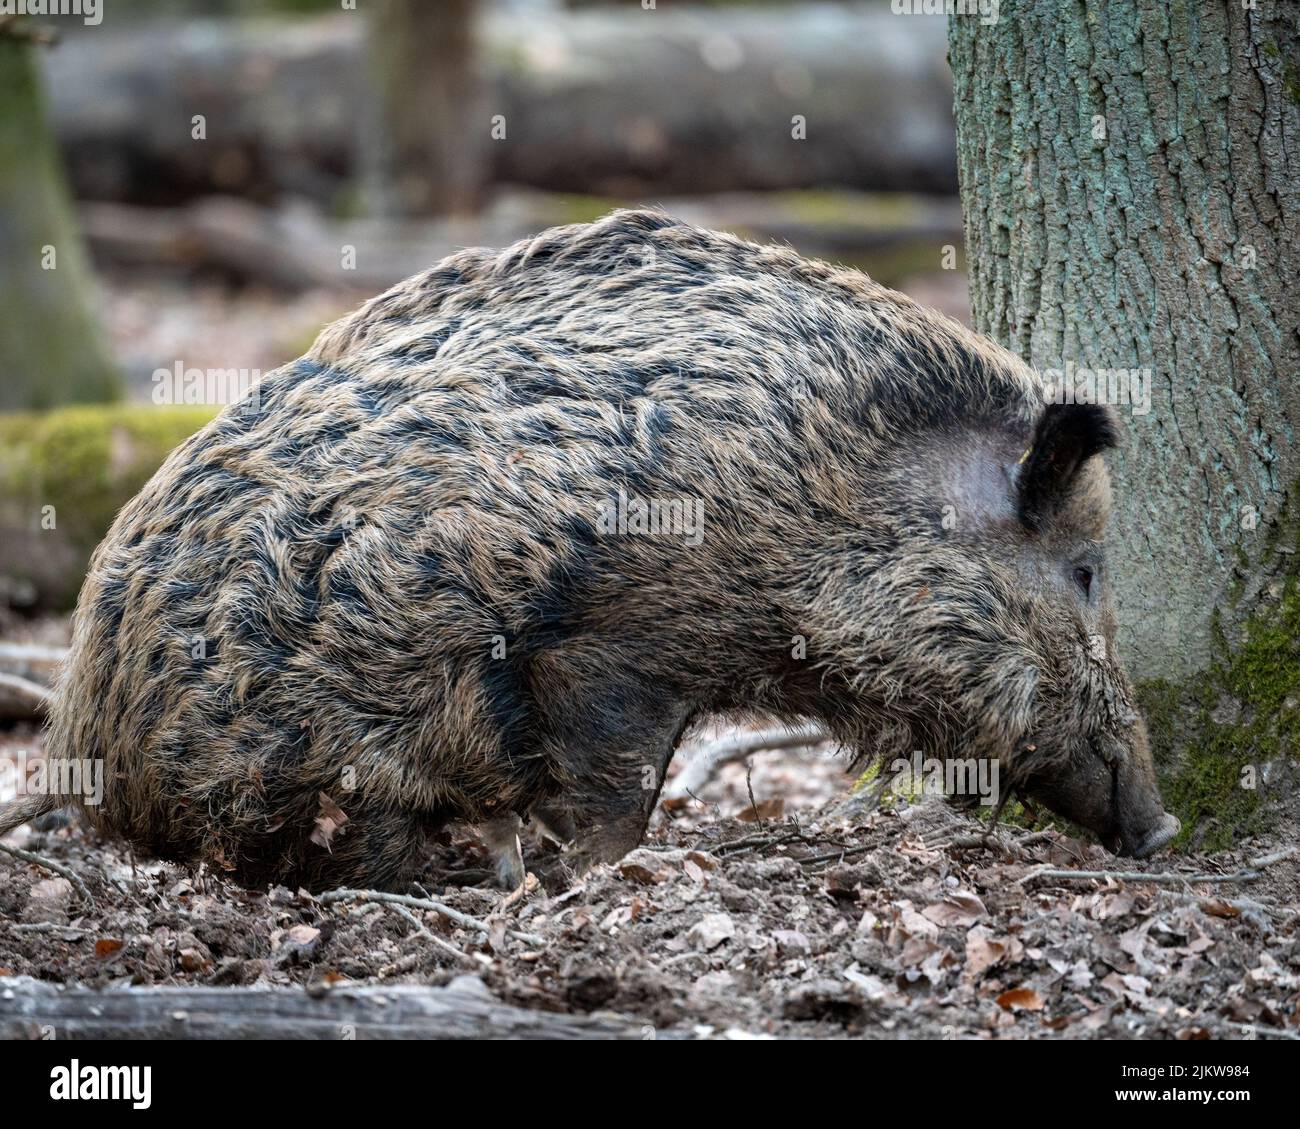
point(958, 909)
point(645, 867)
point(792, 941)
point(328, 823)
point(711, 930)
point(702, 859)
point(916, 925)
point(917, 951)
point(51, 890)
point(302, 934)
point(635, 872)
point(1021, 999)
point(763, 809)
point(982, 952)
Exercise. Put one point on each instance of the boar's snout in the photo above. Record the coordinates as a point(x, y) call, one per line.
point(1142, 823)
point(1109, 786)
point(1156, 837)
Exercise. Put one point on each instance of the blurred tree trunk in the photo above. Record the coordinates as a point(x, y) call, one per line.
point(50, 351)
point(1131, 180)
point(426, 147)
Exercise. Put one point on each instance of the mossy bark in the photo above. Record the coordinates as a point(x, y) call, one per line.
point(63, 476)
point(50, 351)
point(1130, 174)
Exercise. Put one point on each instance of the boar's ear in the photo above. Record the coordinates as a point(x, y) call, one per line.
point(1067, 436)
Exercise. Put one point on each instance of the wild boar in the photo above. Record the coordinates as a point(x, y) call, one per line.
point(505, 531)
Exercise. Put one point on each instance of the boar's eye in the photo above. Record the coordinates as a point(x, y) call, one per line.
point(1083, 578)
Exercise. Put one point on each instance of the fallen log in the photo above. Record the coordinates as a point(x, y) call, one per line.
point(21, 699)
point(605, 101)
point(464, 1009)
point(294, 249)
point(31, 660)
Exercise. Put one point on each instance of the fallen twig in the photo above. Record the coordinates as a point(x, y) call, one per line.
point(703, 766)
point(842, 853)
point(49, 864)
point(987, 841)
point(436, 941)
point(1248, 873)
point(23, 657)
point(754, 842)
point(67, 932)
point(450, 914)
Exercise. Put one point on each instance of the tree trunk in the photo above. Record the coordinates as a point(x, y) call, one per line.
point(49, 350)
point(1131, 179)
point(425, 149)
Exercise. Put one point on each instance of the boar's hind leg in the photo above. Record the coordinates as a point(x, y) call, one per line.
point(380, 847)
point(555, 821)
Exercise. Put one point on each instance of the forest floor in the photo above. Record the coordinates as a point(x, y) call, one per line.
point(772, 905)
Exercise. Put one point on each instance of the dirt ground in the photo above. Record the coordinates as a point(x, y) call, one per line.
point(773, 905)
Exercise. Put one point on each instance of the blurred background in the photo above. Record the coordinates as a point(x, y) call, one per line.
point(204, 184)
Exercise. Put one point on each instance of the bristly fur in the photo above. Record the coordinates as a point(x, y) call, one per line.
point(385, 588)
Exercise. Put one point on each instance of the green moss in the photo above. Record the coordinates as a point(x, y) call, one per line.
point(1291, 81)
point(850, 209)
point(78, 465)
point(572, 207)
point(1290, 71)
point(1212, 735)
point(866, 777)
point(892, 263)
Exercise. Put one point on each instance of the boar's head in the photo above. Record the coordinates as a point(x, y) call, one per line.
point(993, 636)
point(1090, 759)
point(1082, 747)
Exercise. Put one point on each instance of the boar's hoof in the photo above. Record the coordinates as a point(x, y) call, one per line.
point(501, 836)
point(1163, 832)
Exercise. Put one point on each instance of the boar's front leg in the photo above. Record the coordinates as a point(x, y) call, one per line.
point(612, 764)
point(501, 837)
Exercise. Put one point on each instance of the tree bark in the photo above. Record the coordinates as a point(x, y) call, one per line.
point(50, 351)
point(425, 149)
point(1170, 242)
point(1130, 174)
